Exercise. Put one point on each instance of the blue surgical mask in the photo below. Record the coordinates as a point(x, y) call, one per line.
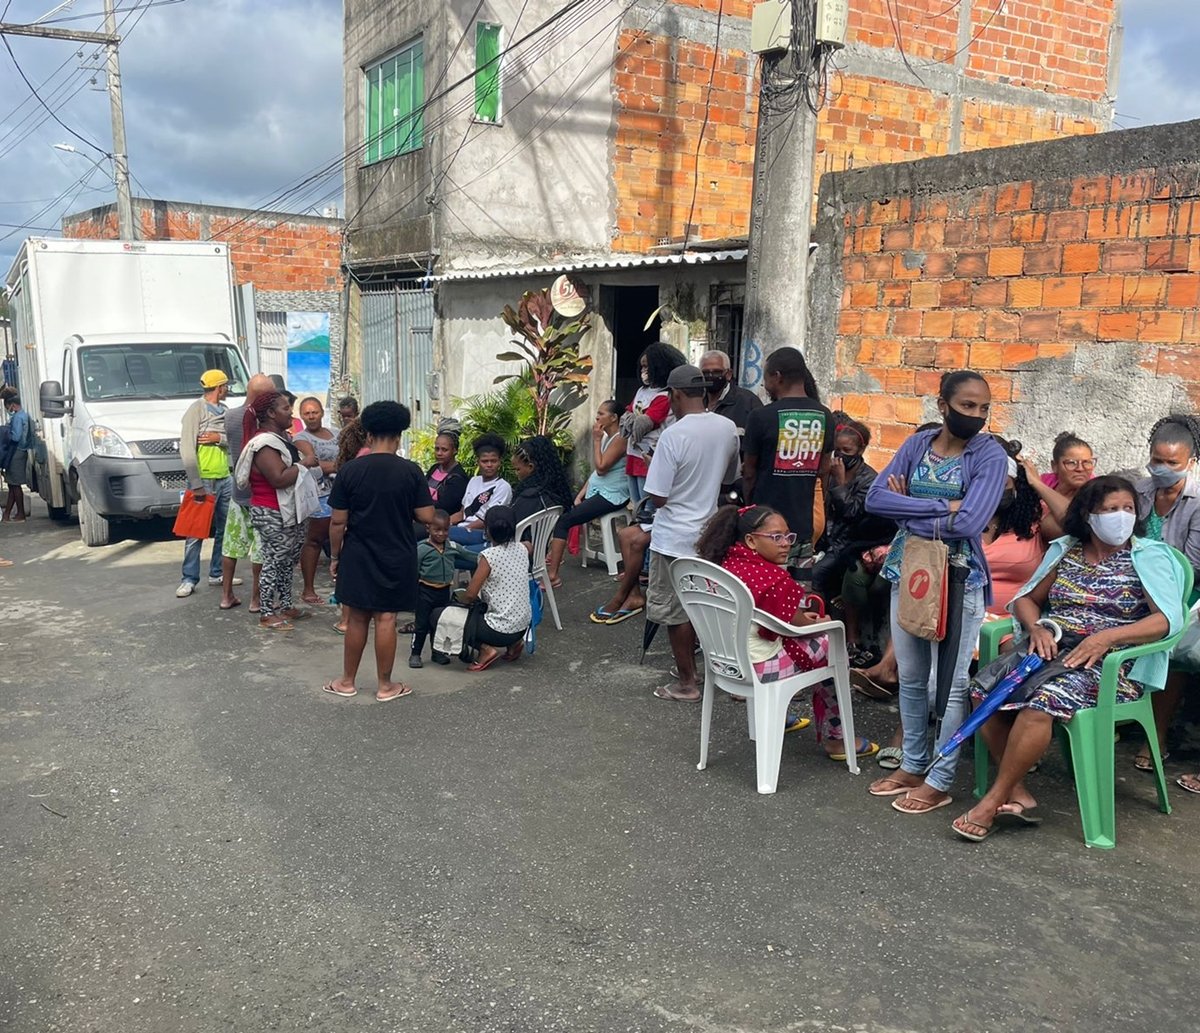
point(1166, 476)
point(1112, 528)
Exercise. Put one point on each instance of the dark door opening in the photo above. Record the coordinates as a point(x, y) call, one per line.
point(626, 310)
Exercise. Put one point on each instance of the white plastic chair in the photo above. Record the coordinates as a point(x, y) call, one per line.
point(608, 540)
point(722, 611)
point(539, 526)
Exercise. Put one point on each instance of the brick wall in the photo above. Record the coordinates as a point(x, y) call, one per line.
point(1076, 294)
point(977, 75)
point(274, 251)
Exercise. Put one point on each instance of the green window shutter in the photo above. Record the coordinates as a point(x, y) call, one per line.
point(487, 72)
point(395, 93)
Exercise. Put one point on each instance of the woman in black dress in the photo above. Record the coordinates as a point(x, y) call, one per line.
point(375, 500)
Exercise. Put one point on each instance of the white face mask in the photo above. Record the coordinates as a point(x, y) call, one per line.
point(1112, 528)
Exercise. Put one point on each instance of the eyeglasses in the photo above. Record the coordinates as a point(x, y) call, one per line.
point(778, 538)
point(1079, 464)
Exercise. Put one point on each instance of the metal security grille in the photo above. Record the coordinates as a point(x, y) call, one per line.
point(397, 326)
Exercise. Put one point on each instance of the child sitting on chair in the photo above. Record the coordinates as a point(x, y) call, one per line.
point(752, 543)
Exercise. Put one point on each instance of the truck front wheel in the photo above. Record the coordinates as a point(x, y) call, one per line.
point(93, 528)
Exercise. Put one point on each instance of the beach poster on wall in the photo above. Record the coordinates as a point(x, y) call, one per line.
point(308, 353)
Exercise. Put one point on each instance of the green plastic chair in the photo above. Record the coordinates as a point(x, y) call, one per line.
point(1087, 740)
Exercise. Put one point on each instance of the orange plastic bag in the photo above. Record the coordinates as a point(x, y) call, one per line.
point(195, 519)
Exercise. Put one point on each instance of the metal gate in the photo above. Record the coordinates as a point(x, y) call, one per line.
point(397, 324)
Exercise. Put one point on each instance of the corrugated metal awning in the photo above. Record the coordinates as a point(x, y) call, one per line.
point(611, 262)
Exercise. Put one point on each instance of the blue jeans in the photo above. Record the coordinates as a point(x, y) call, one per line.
point(916, 660)
point(222, 491)
point(637, 488)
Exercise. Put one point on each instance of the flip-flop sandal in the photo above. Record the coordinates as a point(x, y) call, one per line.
point(255, 609)
point(600, 616)
point(868, 686)
point(1189, 783)
point(328, 687)
point(900, 789)
point(338, 629)
point(6, 563)
point(973, 837)
point(477, 666)
point(1143, 761)
point(889, 758)
point(864, 748)
point(314, 600)
point(409, 629)
point(1017, 814)
point(624, 615)
point(798, 725)
point(299, 615)
point(923, 807)
point(277, 626)
point(664, 692)
point(405, 690)
point(236, 602)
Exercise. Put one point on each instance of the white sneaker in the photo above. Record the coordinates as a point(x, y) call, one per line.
point(185, 589)
point(215, 582)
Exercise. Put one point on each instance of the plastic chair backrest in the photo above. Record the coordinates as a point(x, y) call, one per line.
point(1189, 577)
point(719, 607)
point(540, 525)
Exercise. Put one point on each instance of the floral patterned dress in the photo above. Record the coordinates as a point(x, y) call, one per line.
point(1085, 598)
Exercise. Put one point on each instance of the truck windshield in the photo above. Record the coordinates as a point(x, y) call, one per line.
point(112, 371)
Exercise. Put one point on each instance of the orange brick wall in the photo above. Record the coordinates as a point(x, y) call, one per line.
point(661, 84)
point(1054, 48)
point(1042, 285)
point(275, 253)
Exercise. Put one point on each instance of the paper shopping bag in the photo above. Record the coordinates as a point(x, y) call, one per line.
point(923, 584)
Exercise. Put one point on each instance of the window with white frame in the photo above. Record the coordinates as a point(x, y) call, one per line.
point(395, 95)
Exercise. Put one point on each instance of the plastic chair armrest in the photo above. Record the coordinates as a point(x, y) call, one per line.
point(991, 634)
point(1113, 661)
point(770, 623)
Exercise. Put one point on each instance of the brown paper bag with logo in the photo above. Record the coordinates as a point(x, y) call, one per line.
point(923, 584)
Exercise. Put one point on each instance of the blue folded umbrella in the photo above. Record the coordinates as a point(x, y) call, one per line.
point(989, 705)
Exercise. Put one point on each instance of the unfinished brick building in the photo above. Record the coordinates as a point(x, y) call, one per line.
point(1075, 291)
point(292, 262)
point(584, 154)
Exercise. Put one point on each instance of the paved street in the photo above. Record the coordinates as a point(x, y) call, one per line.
point(193, 838)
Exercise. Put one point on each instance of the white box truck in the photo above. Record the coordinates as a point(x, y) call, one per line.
point(111, 338)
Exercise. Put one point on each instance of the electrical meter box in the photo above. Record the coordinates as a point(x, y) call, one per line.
point(831, 22)
point(771, 26)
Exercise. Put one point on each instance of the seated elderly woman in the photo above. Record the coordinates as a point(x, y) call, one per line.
point(1104, 587)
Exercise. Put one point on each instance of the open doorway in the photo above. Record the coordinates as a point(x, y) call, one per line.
point(626, 310)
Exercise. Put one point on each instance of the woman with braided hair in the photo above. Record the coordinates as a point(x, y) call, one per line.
point(270, 464)
point(1169, 503)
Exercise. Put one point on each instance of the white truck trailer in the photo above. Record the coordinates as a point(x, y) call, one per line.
point(111, 338)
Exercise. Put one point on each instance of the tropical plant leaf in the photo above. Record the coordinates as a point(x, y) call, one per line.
point(512, 357)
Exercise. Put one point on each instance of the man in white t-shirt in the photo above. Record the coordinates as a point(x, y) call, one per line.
point(697, 457)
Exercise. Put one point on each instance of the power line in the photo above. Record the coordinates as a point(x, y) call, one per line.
point(50, 110)
point(712, 72)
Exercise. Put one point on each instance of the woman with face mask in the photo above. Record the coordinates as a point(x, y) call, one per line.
point(649, 413)
point(1101, 587)
point(943, 484)
point(1169, 504)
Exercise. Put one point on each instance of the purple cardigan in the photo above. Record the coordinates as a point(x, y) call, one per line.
point(985, 472)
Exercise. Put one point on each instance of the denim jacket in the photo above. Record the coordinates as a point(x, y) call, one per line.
point(1158, 570)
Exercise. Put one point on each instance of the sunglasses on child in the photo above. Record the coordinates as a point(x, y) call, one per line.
point(778, 537)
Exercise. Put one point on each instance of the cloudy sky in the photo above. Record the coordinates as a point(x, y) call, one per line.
point(233, 101)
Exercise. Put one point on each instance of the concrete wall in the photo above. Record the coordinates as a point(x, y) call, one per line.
point(1077, 293)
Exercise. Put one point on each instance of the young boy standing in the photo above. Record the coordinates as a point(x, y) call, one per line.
point(435, 578)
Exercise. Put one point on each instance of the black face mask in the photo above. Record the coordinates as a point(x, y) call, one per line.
point(848, 461)
point(961, 425)
point(716, 382)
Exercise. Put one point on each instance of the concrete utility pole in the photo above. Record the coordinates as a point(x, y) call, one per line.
point(781, 207)
point(110, 40)
point(120, 158)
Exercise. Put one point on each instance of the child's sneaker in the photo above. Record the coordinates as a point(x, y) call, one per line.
point(440, 658)
point(415, 661)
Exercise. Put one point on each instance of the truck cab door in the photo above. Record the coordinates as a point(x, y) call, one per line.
point(66, 425)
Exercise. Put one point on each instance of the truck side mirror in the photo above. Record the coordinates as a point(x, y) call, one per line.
point(51, 400)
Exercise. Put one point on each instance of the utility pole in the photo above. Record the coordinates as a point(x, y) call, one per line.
point(120, 157)
point(787, 36)
point(110, 41)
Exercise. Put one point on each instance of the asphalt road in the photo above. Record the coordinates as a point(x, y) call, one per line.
point(194, 838)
